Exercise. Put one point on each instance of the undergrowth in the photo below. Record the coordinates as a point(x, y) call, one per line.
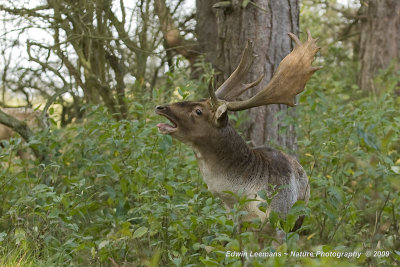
point(117, 193)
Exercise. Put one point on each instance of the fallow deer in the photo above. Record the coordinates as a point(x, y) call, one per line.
point(31, 117)
point(224, 159)
point(28, 115)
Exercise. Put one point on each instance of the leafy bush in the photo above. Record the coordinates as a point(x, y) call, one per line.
point(117, 192)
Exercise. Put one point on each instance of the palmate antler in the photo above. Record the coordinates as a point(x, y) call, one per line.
point(289, 79)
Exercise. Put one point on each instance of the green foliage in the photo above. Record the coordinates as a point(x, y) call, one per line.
point(351, 145)
point(179, 85)
point(119, 192)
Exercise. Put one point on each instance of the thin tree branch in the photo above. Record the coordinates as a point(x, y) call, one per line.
point(20, 127)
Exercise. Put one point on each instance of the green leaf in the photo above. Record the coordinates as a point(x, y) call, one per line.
point(103, 244)
point(395, 169)
point(140, 232)
point(262, 194)
point(2, 236)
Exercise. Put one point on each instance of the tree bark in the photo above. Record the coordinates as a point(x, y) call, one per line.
point(267, 25)
point(206, 29)
point(379, 40)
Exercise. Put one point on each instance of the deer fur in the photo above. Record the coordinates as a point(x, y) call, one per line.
point(251, 170)
point(27, 115)
point(228, 164)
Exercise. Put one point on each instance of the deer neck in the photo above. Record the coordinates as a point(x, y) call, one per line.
point(223, 154)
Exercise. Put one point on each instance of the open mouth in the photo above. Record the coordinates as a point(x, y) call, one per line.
point(166, 128)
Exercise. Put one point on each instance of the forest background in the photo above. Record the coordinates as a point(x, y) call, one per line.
point(98, 185)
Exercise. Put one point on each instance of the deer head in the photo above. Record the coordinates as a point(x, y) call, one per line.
point(192, 121)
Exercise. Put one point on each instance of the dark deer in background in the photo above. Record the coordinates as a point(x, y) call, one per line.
point(32, 118)
point(225, 161)
point(28, 115)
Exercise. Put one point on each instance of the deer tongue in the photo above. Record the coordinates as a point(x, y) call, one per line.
point(165, 128)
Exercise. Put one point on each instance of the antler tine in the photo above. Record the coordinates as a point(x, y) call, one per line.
point(241, 88)
point(289, 79)
point(253, 84)
point(233, 86)
point(295, 39)
point(214, 99)
point(309, 37)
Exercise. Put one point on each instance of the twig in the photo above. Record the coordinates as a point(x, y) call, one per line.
point(396, 227)
point(19, 127)
point(50, 101)
point(378, 219)
point(341, 219)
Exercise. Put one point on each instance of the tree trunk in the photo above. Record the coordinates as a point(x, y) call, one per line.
point(379, 40)
point(206, 29)
point(267, 25)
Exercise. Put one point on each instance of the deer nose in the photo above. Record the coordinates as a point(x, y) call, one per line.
point(160, 108)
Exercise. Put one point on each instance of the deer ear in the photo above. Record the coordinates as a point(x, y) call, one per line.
point(221, 115)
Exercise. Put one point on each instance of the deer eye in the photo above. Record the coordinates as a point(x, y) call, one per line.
point(199, 112)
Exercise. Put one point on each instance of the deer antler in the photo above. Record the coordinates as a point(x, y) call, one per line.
point(289, 79)
point(233, 86)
